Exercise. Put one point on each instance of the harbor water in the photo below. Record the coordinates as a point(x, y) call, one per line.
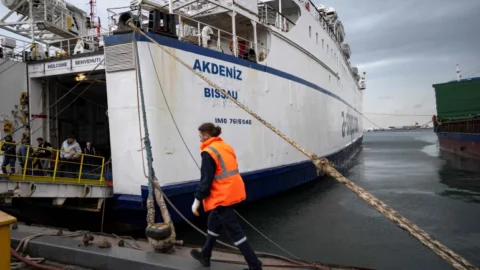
point(325, 221)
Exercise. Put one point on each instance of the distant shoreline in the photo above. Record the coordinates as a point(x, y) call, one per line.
point(396, 130)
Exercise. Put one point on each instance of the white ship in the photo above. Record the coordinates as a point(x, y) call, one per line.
point(284, 59)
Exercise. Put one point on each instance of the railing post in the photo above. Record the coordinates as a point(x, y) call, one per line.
point(81, 167)
point(266, 14)
point(26, 163)
point(45, 10)
point(234, 35)
point(56, 166)
point(101, 173)
point(255, 39)
point(218, 40)
point(68, 45)
point(180, 24)
point(199, 35)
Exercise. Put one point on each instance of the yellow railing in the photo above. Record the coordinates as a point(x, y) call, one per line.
point(33, 163)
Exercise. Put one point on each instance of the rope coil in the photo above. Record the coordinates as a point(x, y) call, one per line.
point(457, 261)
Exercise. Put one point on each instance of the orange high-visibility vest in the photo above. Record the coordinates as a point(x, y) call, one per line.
point(227, 187)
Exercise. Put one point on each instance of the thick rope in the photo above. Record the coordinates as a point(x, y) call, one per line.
point(151, 172)
point(457, 261)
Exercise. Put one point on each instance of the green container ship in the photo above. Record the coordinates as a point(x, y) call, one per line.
point(457, 124)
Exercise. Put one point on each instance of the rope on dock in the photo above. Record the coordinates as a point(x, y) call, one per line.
point(457, 261)
point(160, 244)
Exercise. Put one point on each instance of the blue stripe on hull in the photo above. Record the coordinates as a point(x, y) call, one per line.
point(258, 184)
point(184, 46)
point(463, 137)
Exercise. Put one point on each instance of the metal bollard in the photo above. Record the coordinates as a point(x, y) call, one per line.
point(5, 221)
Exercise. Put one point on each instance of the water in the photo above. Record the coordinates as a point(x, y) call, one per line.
point(325, 221)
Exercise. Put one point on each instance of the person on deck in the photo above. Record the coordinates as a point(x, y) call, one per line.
point(70, 156)
point(89, 161)
point(221, 187)
point(43, 156)
point(25, 156)
point(9, 154)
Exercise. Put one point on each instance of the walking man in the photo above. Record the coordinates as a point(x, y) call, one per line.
point(221, 187)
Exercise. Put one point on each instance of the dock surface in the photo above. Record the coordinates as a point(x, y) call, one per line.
point(67, 249)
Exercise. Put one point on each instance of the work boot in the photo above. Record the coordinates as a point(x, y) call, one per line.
point(197, 255)
point(253, 262)
point(208, 247)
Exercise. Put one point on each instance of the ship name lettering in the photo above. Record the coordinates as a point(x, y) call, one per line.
point(212, 68)
point(215, 93)
point(349, 124)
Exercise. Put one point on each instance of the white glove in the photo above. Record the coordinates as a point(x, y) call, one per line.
point(195, 206)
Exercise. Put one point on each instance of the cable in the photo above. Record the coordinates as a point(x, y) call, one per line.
point(371, 121)
point(191, 155)
point(31, 263)
point(57, 101)
point(87, 99)
point(66, 107)
point(9, 67)
point(464, 75)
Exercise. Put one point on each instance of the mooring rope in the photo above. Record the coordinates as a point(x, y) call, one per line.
point(457, 261)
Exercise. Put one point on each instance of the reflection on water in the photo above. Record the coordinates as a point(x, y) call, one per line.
point(462, 176)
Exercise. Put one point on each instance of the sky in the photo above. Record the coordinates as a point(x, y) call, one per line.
point(404, 47)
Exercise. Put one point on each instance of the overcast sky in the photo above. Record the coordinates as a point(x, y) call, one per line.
point(404, 46)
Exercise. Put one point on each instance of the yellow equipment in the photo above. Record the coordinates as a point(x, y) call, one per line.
point(5, 221)
point(8, 126)
point(24, 99)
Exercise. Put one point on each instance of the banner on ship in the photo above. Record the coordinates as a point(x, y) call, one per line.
point(88, 61)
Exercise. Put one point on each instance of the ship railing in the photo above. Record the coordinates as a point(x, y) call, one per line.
point(31, 164)
point(13, 48)
point(460, 126)
point(190, 30)
point(60, 48)
point(320, 18)
point(57, 49)
point(270, 16)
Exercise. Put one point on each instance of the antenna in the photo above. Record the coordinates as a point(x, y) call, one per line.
point(93, 15)
point(458, 73)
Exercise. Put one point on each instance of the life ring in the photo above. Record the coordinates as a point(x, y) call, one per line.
point(307, 5)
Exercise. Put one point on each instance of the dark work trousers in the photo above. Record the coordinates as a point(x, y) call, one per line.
point(225, 217)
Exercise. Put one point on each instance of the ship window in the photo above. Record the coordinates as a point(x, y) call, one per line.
point(317, 38)
point(310, 31)
point(323, 44)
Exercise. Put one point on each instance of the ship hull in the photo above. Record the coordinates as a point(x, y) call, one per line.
point(259, 185)
point(461, 144)
point(318, 112)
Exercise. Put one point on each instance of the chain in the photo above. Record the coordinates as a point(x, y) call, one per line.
point(457, 261)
